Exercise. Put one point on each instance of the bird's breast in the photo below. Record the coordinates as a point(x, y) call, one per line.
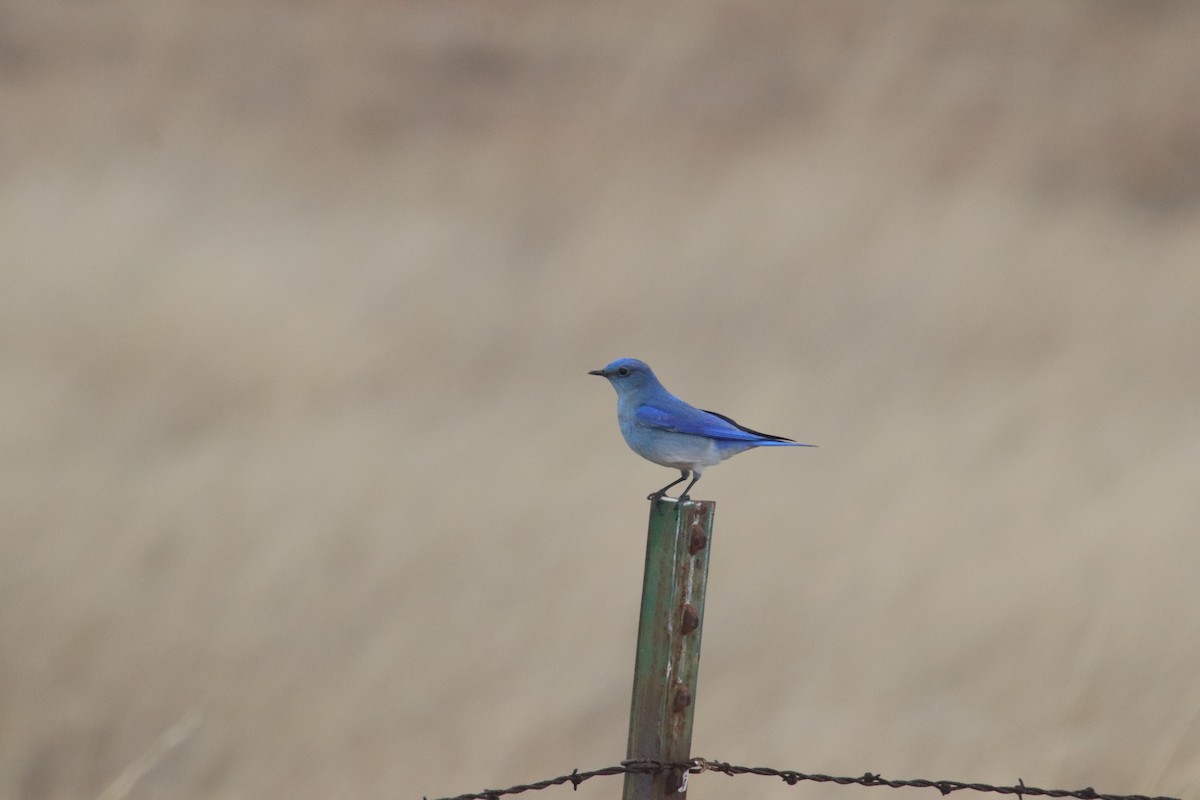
point(668, 448)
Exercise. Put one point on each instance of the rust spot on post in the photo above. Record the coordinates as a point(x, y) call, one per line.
point(698, 540)
point(683, 698)
point(690, 619)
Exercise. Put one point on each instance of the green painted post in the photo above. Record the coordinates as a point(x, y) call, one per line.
point(668, 645)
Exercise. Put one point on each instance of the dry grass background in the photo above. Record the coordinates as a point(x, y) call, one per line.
point(297, 304)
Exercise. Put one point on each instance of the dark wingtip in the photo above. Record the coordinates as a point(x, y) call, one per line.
point(768, 436)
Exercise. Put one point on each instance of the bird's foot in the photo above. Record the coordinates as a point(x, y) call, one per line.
point(683, 498)
point(656, 496)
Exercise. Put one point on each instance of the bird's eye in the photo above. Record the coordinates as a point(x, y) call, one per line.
point(623, 372)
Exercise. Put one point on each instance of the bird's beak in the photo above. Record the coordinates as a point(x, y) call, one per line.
point(599, 372)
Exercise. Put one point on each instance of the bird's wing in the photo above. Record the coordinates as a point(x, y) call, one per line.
point(686, 419)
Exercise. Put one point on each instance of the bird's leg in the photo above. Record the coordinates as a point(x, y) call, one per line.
point(659, 494)
point(688, 488)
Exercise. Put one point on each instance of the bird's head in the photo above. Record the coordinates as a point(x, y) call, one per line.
point(627, 375)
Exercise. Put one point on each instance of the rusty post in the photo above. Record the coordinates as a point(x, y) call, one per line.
point(668, 645)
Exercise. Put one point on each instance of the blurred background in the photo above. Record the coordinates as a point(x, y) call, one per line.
point(306, 492)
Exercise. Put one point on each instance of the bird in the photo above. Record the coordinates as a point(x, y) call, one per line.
point(660, 427)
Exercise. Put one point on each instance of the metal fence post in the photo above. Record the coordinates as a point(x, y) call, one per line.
point(668, 644)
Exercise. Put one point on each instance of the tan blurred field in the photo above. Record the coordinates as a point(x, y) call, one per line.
point(301, 465)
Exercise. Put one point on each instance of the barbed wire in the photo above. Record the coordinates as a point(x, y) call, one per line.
point(792, 777)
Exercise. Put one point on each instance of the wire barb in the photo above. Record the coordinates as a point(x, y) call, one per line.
point(642, 766)
point(697, 765)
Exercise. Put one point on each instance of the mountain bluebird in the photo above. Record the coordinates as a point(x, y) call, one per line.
point(660, 427)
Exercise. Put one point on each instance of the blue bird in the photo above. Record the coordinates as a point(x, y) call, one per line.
point(660, 427)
